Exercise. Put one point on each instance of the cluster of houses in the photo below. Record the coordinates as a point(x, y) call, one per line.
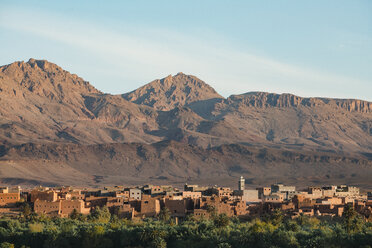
point(201, 202)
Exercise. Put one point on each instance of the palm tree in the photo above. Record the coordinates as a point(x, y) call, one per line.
point(349, 215)
point(164, 215)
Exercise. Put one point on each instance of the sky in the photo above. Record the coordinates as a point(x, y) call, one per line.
point(308, 48)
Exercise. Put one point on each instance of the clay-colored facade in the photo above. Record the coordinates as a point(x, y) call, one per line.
point(61, 208)
point(44, 195)
point(176, 207)
point(191, 194)
point(9, 198)
point(68, 206)
point(150, 207)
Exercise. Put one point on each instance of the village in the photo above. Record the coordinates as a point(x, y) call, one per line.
point(201, 202)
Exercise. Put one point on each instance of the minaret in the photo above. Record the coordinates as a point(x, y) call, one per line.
point(241, 183)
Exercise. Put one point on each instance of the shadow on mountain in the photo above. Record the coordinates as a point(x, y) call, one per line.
point(204, 108)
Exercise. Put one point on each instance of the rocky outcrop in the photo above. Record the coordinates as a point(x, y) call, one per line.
point(172, 91)
point(263, 99)
point(355, 105)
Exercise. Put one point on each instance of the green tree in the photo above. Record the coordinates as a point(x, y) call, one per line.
point(291, 225)
point(101, 215)
point(6, 245)
point(212, 211)
point(164, 215)
point(221, 221)
point(68, 228)
point(36, 227)
point(223, 245)
point(74, 214)
point(190, 218)
point(349, 215)
point(153, 237)
point(276, 217)
point(158, 242)
point(95, 237)
point(26, 210)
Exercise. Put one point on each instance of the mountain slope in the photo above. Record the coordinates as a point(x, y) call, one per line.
point(41, 102)
point(170, 92)
point(57, 127)
point(176, 163)
point(43, 78)
point(312, 123)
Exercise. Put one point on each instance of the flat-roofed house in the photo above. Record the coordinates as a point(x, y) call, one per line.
point(135, 194)
point(9, 198)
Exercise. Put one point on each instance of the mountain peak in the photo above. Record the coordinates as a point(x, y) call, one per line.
point(42, 64)
point(42, 77)
point(172, 91)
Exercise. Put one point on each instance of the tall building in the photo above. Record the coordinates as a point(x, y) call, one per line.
point(241, 183)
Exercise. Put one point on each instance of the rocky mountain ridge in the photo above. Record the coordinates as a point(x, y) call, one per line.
point(63, 116)
point(263, 99)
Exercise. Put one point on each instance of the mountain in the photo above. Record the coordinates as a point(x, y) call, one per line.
point(170, 92)
point(313, 123)
point(56, 128)
point(40, 102)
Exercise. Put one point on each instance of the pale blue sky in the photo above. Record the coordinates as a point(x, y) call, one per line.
point(308, 48)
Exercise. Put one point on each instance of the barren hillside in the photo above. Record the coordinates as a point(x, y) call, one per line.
point(56, 128)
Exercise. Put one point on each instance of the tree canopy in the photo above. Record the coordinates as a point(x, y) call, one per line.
point(101, 229)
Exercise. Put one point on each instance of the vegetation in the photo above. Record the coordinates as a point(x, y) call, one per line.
point(100, 229)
